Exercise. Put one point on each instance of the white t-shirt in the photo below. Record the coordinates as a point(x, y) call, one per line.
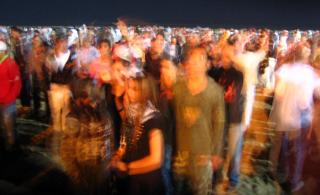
point(294, 91)
point(248, 64)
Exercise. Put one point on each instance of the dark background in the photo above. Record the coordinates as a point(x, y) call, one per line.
point(274, 14)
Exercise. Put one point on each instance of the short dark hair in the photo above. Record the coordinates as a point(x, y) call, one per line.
point(161, 33)
point(103, 40)
point(17, 29)
point(232, 39)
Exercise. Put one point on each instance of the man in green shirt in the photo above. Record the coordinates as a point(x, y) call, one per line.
point(199, 110)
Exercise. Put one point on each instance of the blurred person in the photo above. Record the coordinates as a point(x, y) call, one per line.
point(292, 113)
point(85, 56)
point(247, 59)
point(141, 151)
point(61, 67)
point(17, 49)
point(88, 142)
point(116, 94)
point(192, 41)
point(231, 80)
point(153, 58)
point(39, 75)
point(199, 127)
point(173, 49)
point(315, 127)
point(168, 77)
point(100, 68)
point(282, 46)
point(10, 84)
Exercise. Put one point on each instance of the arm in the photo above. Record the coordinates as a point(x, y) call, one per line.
point(155, 158)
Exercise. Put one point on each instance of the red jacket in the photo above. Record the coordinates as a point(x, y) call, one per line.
point(10, 81)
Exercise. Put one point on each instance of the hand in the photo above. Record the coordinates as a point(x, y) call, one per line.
point(121, 166)
point(216, 162)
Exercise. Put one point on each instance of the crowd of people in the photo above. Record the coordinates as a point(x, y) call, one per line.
point(164, 110)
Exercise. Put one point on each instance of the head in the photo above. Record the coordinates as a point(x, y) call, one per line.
point(15, 32)
point(173, 40)
point(168, 73)
point(104, 47)
point(86, 42)
point(160, 37)
point(61, 43)
point(299, 53)
point(157, 46)
point(193, 40)
point(37, 41)
point(253, 45)
point(226, 56)
point(196, 63)
point(142, 89)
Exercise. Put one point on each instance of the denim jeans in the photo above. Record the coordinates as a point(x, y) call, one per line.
point(39, 86)
point(233, 157)
point(166, 170)
point(287, 156)
point(7, 123)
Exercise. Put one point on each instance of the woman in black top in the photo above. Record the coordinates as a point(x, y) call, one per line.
point(141, 151)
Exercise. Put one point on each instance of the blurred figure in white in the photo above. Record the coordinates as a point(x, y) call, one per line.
point(292, 114)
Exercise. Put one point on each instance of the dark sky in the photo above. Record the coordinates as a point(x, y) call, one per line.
point(275, 14)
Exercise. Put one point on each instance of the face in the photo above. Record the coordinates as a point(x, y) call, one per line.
point(167, 73)
point(193, 40)
point(36, 42)
point(104, 48)
point(226, 60)
point(15, 34)
point(173, 41)
point(62, 45)
point(306, 52)
point(134, 91)
point(157, 46)
point(160, 38)
point(86, 43)
point(195, 65)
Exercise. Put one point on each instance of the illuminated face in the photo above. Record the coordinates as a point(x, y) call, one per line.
point(168, 73)
point(86, 43)
point(62, 45)
point(157, 46)
point(306, 52)
point(134, 91)
point(173, 41)
point(160, 38)
point(195, 65)
point(36, 42)
point(104, 48)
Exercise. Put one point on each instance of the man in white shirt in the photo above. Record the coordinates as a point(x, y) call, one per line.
point(292, 114)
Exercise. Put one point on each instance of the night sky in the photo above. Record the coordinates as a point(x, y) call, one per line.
point(274, 14)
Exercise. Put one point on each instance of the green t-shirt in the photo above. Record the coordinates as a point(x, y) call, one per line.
point(199, 119)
